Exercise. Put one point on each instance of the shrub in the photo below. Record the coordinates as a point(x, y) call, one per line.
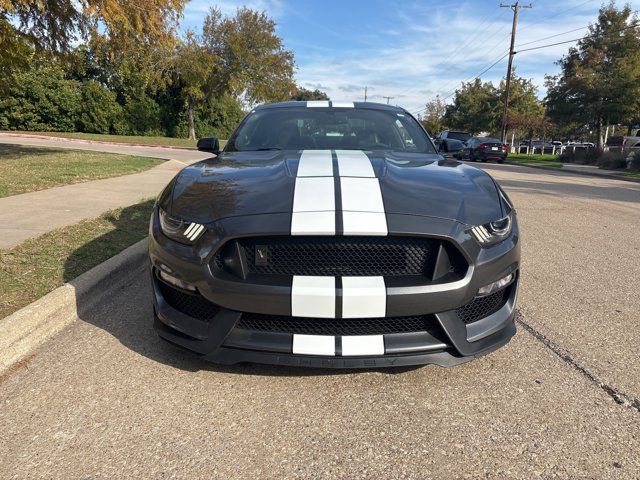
point(41, 100)
point(634, 164)
point(142, 115)
point(99, 112)
point(612, 161)
point(582, 156)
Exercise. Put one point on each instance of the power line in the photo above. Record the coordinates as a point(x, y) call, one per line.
point(553, 36)
point(570, 41)
point(478, 75)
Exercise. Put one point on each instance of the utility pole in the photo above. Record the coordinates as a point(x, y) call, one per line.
point(515, 7)
point(388, 98)
point(365, 94)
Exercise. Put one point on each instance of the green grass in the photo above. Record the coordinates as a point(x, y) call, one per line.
point(634, 174)
point(535, 160)
point(27, 169)
point(39, 265)
point(536, 157)
point(164, 141)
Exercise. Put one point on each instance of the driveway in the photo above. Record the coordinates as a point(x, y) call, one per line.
point(106, 398)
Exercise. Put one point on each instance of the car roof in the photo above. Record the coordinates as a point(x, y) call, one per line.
point(369, 105)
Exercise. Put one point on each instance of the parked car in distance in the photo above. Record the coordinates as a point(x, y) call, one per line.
point(444, 140)
point(483, 149)
point(624, 141)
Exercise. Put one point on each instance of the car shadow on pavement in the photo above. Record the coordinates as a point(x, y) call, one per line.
point(126, 313)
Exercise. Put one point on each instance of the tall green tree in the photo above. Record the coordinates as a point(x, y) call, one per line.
point(433, 116)
point(253, 61)
point(475, 107)
point(239, 56)
point(599, 82)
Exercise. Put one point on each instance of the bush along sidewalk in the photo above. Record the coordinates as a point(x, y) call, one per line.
point(37, 266)
point(618, 161)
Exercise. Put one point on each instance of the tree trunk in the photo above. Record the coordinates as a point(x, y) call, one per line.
point(192, 126)
point(600, 142)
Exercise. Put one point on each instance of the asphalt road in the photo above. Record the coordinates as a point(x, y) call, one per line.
point(107, 399)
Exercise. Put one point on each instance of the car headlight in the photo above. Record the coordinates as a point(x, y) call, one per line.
point(493, 232)
point(181, 231)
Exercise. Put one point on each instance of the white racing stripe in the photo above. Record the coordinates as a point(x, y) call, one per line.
point(315, 163)
point(317, 104)
point(363, 297)
point(364, 223)
point(354, 345)
point(313, 223)
point(314, 194)
point(342, 104)
point(354, 163)
point(314, 345)
point(361, 195)
point(313, 297)
point(314, 206)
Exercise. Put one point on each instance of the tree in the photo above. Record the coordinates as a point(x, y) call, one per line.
point(54, 25)
point(598, 84)
point(239, 56)
point(475, 108)
point(433, 118)
point(253, 61)
point(197, 69)
point(301, 94)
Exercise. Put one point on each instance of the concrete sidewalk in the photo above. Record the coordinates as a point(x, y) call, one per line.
point(32, 214)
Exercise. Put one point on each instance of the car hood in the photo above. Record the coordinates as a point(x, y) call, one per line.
point(253, 183)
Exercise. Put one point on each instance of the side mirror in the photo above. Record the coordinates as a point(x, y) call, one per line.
point(209, 144)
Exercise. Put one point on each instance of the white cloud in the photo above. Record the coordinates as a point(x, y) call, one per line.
point(438, 48)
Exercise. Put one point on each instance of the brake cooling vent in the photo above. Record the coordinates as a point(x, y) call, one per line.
point(482, 307)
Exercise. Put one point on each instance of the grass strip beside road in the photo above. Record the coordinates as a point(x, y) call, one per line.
point(162, 141)
point(533, 160)
point(39, 265)
point(27, 169)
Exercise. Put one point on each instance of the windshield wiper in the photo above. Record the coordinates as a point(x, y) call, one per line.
point(265, 149)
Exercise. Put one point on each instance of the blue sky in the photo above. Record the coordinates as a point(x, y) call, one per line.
point(411, 50)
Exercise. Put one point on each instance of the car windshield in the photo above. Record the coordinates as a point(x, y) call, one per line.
point(489, 140)
point(462, 136)
point(302, 128)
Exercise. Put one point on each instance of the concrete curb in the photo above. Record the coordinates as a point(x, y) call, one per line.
point(102, 142)
point(577, 172)
point(29, 327)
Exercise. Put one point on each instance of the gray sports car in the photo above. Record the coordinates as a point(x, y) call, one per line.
point(332, 234)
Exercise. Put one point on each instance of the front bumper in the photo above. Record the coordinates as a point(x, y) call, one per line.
point(448, 341)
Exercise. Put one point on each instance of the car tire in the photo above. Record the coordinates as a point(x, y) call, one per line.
point(500, 161)
point(483, 160)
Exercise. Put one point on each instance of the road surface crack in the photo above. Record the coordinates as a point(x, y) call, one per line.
point(617, 396)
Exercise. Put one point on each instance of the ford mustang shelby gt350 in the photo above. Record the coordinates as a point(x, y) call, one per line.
point(333, 234)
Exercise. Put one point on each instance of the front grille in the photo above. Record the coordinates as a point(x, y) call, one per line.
point(337, 256)
point(191, 304)
point(482, 307)
point(337, 326)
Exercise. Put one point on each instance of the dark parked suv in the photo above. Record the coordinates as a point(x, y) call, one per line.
point(446, 139)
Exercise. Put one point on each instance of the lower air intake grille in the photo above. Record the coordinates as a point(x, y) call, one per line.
point(340, 256)
point(482, 307)
point(337, 326)
point(191, 304)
